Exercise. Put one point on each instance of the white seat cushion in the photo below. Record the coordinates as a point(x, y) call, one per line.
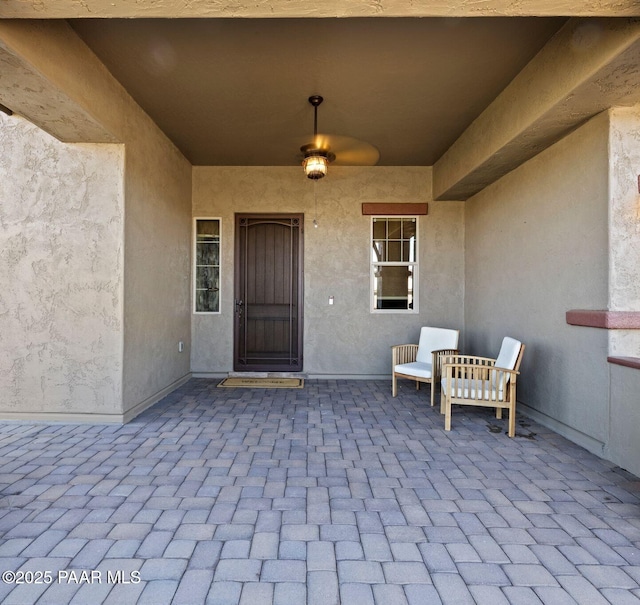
point(466, 390)
point(415, 368)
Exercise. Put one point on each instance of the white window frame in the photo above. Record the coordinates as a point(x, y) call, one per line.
point(413, 264)
point(194, 256)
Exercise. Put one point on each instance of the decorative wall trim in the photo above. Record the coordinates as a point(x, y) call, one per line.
point(609, 320)
point(629, 362)
point(391, 209)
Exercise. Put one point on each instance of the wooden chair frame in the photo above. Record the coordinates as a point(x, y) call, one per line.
point(408, 354)
point(472, 380)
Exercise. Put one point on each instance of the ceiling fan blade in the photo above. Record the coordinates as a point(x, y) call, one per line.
point(348, 150)
point(356, 153)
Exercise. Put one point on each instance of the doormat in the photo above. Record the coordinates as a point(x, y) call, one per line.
point(263, 383)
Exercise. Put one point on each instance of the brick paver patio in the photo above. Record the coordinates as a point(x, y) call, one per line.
point(335, 493)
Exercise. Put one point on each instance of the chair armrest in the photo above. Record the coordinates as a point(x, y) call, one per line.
point(438, 359)
point(404, 354)
point(499, 369)
point(469, 360)
point(474, 371)
point(448, 352)
point(498, 373)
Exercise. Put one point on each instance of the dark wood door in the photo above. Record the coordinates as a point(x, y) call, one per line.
point(268, 293)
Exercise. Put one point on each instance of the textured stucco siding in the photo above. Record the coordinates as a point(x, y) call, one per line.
point(624, 224)
point(344, 338)
point(536, 247)
point(157, 267)
point(625, 418)
point(624, 283)
point(61, 273)
point(65, 9)
point(154, 211)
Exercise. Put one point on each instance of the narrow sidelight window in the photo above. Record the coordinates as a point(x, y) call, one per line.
point(206, 273)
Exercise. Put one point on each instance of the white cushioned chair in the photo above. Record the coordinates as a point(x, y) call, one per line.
point(482, 381)
point(423, 362)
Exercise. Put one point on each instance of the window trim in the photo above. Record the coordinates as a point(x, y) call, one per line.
point(195, 258)
point(415, 265)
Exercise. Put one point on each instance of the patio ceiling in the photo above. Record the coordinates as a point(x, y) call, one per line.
point(473, 94)
point(234, 91)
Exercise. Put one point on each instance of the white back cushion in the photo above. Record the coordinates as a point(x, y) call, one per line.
point(433, 339)
point(508, 353)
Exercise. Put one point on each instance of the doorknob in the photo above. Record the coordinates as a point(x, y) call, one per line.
point(239, 304)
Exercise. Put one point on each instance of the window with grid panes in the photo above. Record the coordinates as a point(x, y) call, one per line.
point(394, 264)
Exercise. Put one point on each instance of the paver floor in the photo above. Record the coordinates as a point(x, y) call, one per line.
point(335, 493)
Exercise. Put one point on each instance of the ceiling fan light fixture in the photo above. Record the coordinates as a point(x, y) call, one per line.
point(315, 164)
point(316, 160)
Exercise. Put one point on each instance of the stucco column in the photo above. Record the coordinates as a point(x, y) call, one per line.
point(624, 224)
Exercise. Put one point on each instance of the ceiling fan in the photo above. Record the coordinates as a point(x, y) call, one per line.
point(325, 149)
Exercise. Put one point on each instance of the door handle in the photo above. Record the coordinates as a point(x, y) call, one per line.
point(239, 305)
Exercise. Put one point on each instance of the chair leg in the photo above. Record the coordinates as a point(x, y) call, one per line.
point(432, 384)
point(499, 413)
point(394, 385)
point(447, 414)
point(512, 420)
point(417, 385)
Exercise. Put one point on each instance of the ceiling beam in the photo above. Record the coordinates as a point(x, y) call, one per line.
point(51, 78)
point(176, 9)
point(589, 66)
point(27, 92)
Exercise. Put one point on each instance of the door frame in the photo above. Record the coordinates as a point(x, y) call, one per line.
point(273, 216)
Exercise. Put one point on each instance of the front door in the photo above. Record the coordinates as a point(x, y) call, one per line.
point(268, 293)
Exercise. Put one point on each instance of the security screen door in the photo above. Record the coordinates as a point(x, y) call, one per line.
point(268, 292)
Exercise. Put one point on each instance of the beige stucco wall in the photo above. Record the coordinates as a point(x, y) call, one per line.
point(344, 339)
point(61, 270)
point(536, 247)
point(65, 79)
point(624, 283)
point(65, 9)
point(157, 313)
point(624, 224)
point(625, 418)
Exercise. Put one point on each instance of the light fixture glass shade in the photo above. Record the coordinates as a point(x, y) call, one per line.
point(315, 165)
